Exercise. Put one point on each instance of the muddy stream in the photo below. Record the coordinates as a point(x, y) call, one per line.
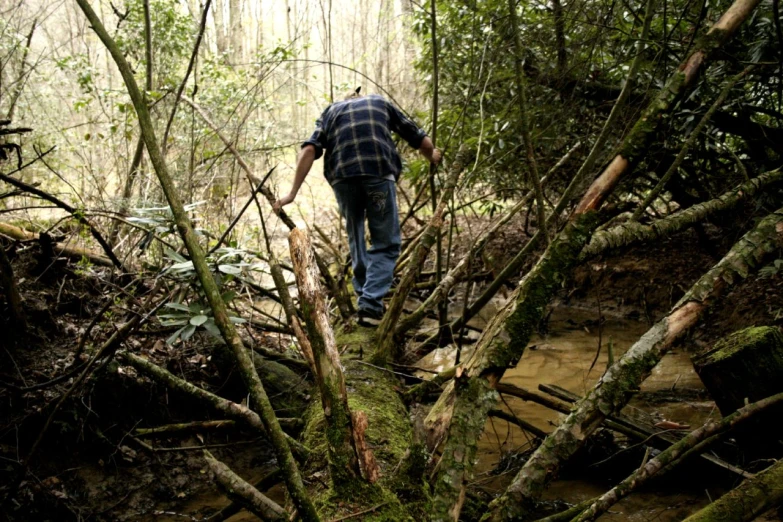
point(563, 357)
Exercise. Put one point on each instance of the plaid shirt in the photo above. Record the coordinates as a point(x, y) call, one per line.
point(355, 135)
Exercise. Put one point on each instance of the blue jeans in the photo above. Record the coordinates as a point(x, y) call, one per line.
point(376, 200)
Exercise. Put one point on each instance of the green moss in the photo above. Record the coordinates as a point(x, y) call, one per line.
point(389, 434)
point(748, 339)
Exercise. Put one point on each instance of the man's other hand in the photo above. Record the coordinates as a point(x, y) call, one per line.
point(280, 203)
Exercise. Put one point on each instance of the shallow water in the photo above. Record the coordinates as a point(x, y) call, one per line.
point(564, 357)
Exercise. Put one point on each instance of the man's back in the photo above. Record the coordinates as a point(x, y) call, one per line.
point(355, 135)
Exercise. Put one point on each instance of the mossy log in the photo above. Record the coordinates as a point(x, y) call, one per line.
point(633, 233)
point(745, 367)
point(399, 492)
point(749, 500)
point(244, 493)
point(617, 386)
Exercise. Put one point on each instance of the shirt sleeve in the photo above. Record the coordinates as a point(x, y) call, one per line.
point(318, 138)
point(405, 127)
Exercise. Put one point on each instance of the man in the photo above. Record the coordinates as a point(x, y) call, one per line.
point(362, 165)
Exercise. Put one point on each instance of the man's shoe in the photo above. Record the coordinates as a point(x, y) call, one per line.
point(370, 318)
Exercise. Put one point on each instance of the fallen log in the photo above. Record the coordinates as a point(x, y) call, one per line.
point(749, 500)
point(343, 458)
point(72, 252)
point(245, 494)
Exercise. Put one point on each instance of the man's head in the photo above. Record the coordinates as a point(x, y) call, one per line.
point(353, 94)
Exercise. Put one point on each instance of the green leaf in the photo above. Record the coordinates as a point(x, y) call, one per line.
point(198, 320)
point(230, 269)
point(177, 306)
point(171, 340)
point(237, 320)
point(188, 331)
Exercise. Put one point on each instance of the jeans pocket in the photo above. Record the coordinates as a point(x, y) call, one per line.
point(378, 201)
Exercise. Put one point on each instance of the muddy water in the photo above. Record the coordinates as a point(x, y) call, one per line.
point(564, 356)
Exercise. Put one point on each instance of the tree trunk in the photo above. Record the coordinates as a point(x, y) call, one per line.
point(746, 366)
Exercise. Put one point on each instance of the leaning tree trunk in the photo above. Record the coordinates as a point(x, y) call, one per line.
point(260, 400)
point(617, 386)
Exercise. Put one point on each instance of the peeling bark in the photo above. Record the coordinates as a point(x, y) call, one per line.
point(618, 384)
point(343, 461)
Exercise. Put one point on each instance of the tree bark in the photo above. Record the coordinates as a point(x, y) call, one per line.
point(633, 233)
point(285, 459)
point(343, 462)
point(618, 384)
point(745, 366)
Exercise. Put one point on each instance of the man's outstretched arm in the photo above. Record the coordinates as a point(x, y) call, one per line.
point(303, 164)
point(428, 150)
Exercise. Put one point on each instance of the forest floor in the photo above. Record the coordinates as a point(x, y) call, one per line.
point(90, 466)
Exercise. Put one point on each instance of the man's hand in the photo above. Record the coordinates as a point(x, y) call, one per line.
point(280, 203)
point(429, 151)
point(435, 157)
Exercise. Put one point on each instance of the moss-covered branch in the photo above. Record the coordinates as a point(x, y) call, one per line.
point(749, 500)
point(633, 233)
point(461, 411)
point(618, 384)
